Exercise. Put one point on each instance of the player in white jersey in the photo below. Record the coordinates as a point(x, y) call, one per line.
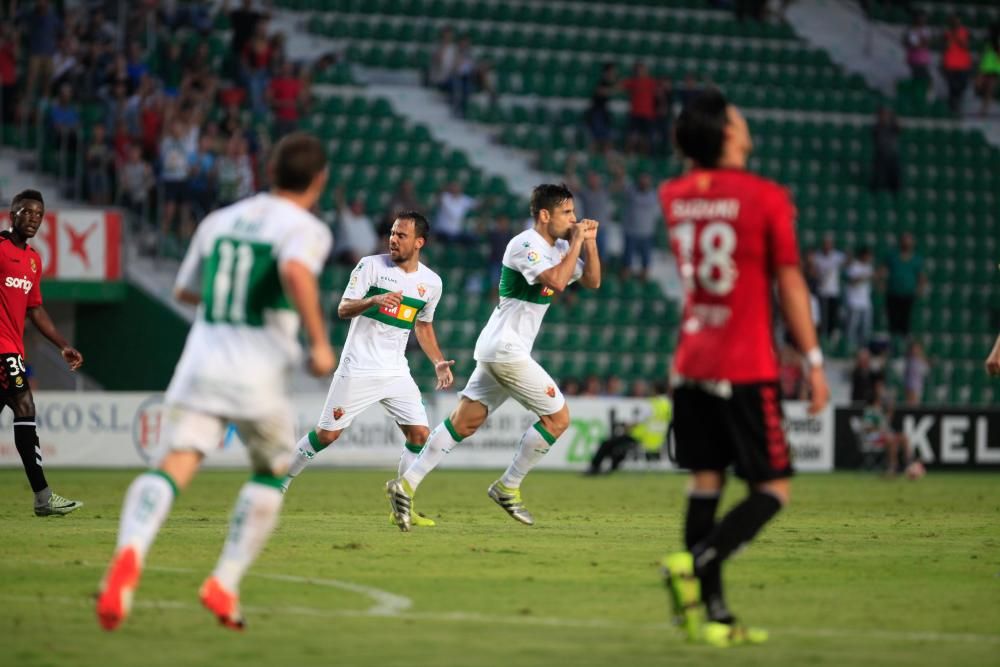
point(538, 264)
point(387, 297)
point(251, 269)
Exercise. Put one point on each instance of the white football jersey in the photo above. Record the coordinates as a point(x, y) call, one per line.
point(513, 326)
point(244, 341)
point(376, 341)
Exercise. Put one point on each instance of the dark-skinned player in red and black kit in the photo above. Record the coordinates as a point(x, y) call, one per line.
point(733, 234)
point(20, 300)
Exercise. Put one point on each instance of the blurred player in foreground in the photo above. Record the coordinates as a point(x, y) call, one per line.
point(251, 269)
point(733, 234)
point(538, 264)
point(21, 299)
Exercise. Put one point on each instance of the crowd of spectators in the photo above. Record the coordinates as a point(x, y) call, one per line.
point(962, 61)
point(169, 123)
point(842, 287)
point(651, 103)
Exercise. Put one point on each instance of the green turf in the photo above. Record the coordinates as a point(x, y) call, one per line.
point(859, 571)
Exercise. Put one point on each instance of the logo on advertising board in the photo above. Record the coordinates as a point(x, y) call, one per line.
point(146, 427)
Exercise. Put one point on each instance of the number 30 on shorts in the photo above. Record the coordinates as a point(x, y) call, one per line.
point(15, 365)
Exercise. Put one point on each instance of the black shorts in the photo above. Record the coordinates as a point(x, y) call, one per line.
point(744, 430)
point(13, 377)
point(175, 191)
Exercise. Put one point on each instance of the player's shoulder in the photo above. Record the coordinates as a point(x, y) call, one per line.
point(377, 262)
point(428, 275)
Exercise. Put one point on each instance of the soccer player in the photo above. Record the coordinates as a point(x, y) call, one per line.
point(733, 234)
point(537, 264)
point(387, 297)
point(251, 268)
point(20, 299)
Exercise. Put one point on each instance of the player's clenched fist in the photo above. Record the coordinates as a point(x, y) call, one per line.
point(589, 228)
point(389, 299)
point(322, 359)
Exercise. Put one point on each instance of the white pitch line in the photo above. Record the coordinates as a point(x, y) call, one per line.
point(396, 606)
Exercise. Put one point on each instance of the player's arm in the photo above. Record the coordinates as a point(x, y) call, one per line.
point(559, 276)
point(993, 361)
point(794, 297)
point(187, 284)
point(351, 308)
point(302, 289)
point(591, 277)
point(40, 318)
point(428, 343)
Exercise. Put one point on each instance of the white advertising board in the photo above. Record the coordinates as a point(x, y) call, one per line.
point(122, 429)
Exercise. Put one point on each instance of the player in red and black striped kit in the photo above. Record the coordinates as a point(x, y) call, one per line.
point(21, 299)
point(733, 234)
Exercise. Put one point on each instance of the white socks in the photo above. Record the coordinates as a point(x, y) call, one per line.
point(409, 455)
point(439, 443)
point(305, 450)
point(147, 504)
point(535, 443)
point(253, 521)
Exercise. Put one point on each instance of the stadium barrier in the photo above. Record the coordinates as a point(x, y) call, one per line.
point(122, 429)
point(943, 437)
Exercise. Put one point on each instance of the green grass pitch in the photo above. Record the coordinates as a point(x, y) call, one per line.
point(858, 571)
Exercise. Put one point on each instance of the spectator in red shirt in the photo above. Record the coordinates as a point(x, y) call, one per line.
point(257, 61)
point(8, 73)
point(287, 94)
point(956, 61)
point(642, 90)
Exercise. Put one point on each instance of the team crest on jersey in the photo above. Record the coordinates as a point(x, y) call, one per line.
point(421, 290)
point(338, 413)
point(34, 266)
point(550, 391)
point(533, 256)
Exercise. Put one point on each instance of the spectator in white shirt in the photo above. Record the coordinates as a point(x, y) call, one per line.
point(356, 237)
point(858, 298)
point(829, 261)
point(443, 61)
point(453, 206)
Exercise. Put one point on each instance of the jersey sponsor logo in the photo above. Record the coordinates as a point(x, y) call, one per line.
point(547, 291)
point(401, 312)
point(338, 413)
point(19, 382)
point(550, 391)
point(19, 283)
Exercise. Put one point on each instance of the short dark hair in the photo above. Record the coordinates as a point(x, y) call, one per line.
point(547, 196)
point(700, 129)
point(297, 160)
point(33, 195)
point(421, 228)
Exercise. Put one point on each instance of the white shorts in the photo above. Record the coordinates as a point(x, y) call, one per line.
point(493, 382)
point(270, 441)
point(350, 396)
